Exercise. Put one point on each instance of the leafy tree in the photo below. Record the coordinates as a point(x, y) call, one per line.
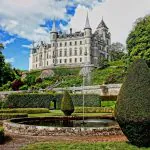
point(2, 64)
point(117, 51)
point(138, 41)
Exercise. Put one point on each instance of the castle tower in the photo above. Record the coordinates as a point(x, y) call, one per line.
point(54, 35)
point(87, 36)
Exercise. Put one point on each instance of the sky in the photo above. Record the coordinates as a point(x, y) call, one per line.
point(25, 21)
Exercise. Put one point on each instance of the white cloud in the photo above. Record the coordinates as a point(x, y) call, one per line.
point(10, 60)
point(7, 42)
point(28, 46)
point(24, 17)
point(119, 16)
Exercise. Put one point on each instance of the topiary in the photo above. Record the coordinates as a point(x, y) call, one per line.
point(67, 106)
point(133, 104)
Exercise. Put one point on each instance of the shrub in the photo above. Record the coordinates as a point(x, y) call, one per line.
point(94, 110)
point(4, 116)
point(25, 110)
point(67, 106)
point(1, 135)
point(17, 83)
point(133, 104)
point(24, 87)
point(38, 80)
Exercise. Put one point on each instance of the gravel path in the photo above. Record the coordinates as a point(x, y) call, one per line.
point(15, 142)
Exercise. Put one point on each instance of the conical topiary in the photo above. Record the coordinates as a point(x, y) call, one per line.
point(66, 104)
point(133, 104)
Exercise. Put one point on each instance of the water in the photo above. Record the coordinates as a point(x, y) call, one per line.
point(72, 123)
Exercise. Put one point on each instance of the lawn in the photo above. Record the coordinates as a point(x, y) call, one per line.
point(82, 146)
point(60, 113)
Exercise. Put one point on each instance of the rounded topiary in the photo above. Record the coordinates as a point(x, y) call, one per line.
point(66, 104)
point(133, 104)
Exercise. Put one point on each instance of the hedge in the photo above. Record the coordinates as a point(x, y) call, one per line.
point(37, 100)
point(33, 100)
point(4, 116)
point(1, 135)
point(25, 110)
point(94, 110)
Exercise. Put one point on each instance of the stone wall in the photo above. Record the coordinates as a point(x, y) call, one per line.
point(32, 130)
point(102, 90)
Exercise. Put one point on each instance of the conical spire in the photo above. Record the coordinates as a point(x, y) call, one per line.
point(102, 24)
point(87, 24)
point(54, 26)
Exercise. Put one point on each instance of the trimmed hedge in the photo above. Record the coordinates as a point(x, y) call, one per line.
point(25, 110)
point(67, 106)
point(37, 100)
point(33, 100)
point(1, 135)
point(4, 116)
point(94, 110)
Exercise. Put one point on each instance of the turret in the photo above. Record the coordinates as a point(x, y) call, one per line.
point(53, 32)
point(87, 28)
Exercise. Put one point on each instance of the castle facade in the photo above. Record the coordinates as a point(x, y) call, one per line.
point(73, 49)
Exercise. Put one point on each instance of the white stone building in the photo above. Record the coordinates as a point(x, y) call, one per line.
point(73, 49)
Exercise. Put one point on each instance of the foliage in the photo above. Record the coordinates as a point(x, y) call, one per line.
point(25, 110)
point(4, 116)
point(16, 84)
point(1, 135)
point(100, 76)
point(108, 104)
point(76, 145)
point(132, 108)
point(67, 106)
point(94, 110)
point(138, 40)
point(24, 87)
point(30, 80)
point(103, 63)
point(117, 51)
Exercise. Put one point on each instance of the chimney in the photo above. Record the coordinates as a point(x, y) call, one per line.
point(70, 30)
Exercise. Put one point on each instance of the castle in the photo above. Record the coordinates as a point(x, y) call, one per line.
point(73, 49)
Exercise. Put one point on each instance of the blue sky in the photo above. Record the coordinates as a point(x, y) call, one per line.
point(22, 21)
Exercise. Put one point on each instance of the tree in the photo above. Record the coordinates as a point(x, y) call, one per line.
point(117, 51)
point(66, 104)
point(2, 64)
point(138, 41)
point(132, 108)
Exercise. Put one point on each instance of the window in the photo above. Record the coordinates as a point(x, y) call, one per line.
point(75, 60)
point(47, 56)
point(80, 50)
point(41, 56)
point(70, 43)
point(75, 42)
point(53, 61)
point(80, 59)
point(70, 52)
point(70, 60)
point(75, 52)
point(80, 42)
point(60, 44)
point(47, 63)
point(65, 52)
point(60, 53)
point(36, 59)
point(65, 60)
point(65, 43)
point(60, 61)
point(36, 65)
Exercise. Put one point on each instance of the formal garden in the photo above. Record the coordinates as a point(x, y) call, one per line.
point(48, 120)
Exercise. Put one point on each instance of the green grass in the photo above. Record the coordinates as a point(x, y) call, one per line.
point(60, 113)
point(82, 146)
point(108, 103)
